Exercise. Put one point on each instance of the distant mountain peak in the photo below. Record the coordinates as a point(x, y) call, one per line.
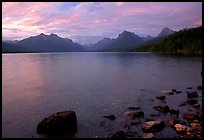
point(52, 34)
point(165, 32)
point(41, 34)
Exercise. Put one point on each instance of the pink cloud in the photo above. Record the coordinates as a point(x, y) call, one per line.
point(119, 3)
point(198, 22)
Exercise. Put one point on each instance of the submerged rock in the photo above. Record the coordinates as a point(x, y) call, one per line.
point(135, 114)
point(178, 91)
point(163, 109)
point(161, 97)
point(134, 107)
point(168, 92)
point(153, 126)
point(111, 117)
point(59, 122)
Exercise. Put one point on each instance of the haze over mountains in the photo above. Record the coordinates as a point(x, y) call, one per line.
point(53, 43)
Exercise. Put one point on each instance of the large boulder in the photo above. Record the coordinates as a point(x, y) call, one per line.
point(59, 122)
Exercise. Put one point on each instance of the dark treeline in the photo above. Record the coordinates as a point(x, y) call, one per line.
point(186, 41)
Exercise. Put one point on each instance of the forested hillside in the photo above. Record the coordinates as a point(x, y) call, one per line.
point(184, 41)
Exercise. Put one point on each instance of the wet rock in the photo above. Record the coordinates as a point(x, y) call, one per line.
point(174, 111)
point(133, 122)
point(111, 117)
point(180, 128)
point(134, 107)
point(148, 135)
point(135, 114)
point(191, 101)
point(189, 88)
point(199, 114)
point(59, 122)
point(163, 109)
point(161, 97)
point(199, 87)
point(178, 91)
point(155, 115)
point(166, 91)
point(173, 90)
point(197, 106)
point(118, 134)
point(192, 94)
point(126, 127)
point(170, 122)
point(153, 126)
point(189, 116)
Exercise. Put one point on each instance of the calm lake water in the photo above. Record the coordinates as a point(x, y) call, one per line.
point(93, 84)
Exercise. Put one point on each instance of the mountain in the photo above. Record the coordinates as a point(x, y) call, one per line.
point(165, 32)
point(147, 38)
point(186, 41)
point(123, 42)
point(8, 47)
point(49, 43)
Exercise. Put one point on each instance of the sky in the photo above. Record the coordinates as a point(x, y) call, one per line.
point(89, 22)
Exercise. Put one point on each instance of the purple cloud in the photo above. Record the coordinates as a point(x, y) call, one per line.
point(96, 19)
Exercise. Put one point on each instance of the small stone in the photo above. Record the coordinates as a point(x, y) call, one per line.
point(102, 123)
point(118, 134)
point(148, 135)
point(191, 101)
point(180, 128)
point(170, 122)
point(173, 90)
point(155, 115)
point(183, 104)
point(161, 97)
point(174, 111)
point(189, 116)
point(192, 94)
point(161, 108)
point(135, 114)
point(199, 87)
point(178, 91)
point(111, 117)
point(197, 106)
point(134, 107)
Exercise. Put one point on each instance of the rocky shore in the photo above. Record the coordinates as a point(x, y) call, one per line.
point(185, 123)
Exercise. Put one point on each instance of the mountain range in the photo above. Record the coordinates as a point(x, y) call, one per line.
point(53, 43)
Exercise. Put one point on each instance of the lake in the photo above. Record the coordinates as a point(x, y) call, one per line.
point(93, 84)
